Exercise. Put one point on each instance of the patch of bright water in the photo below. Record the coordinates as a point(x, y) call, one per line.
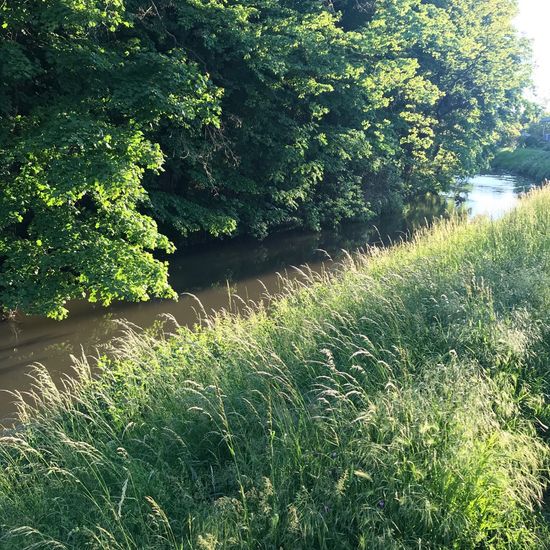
point(492, 195)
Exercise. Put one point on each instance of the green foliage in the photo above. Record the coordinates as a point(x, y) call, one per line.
point(529, 162)
point(536, 125)
point(389, 405)
point(222, 117)
point(79, 94)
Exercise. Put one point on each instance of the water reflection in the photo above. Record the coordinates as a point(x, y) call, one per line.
point(490, 195)
point(207, 273)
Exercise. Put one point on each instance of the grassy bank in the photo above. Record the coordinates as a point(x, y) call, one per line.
point(529, 162)
point(400, 403)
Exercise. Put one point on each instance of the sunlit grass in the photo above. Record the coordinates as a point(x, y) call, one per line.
point(528, 162)
point(400, 402)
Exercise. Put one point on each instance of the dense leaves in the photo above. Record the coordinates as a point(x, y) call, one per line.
point(217, 117)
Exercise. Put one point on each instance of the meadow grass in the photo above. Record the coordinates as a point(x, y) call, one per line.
point(528, 161)
point(400, 401)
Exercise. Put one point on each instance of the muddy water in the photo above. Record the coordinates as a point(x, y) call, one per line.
point(210, 273)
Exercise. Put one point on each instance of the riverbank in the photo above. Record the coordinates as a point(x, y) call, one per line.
point(528, 162)
point(209, 272)
point(397, 403)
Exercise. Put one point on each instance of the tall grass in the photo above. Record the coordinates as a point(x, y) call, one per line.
point(401, 402)
point(529, 162)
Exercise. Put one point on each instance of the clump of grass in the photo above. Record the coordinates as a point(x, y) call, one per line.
point(526, 161)
point(400, 402)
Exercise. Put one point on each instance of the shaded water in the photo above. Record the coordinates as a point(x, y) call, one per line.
point(209, 273)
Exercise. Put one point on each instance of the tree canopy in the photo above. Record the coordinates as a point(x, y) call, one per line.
point(125, 124)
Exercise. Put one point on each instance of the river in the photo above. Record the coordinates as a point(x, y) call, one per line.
point(209, 274)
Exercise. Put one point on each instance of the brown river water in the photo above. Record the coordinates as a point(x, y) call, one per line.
point(246, 268)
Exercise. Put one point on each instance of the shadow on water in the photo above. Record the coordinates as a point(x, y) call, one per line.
point(208, 272)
